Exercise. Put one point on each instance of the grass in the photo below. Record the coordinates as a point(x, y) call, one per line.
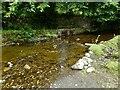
point(26, 35)
point(9, 31)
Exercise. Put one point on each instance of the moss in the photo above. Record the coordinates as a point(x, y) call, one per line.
point(112, 66)
point(97, 50)
point(108, 47)
point(113, 43)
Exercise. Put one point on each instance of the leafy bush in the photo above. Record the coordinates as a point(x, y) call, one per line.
point(23, 35)
point(22, 11)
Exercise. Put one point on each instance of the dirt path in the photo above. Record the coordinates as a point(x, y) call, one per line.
point(81, 79)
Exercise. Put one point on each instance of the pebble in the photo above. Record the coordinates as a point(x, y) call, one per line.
point(76, 85)
point(13, 86)
point(61, 66)
point(2, 81)
point(10, 64)
point(91, 69)
point(85, 67)
point(27, 66)
point(78, 39)
point(54, 46)
point(89, 65)
point(90, 52)
point(6, 69)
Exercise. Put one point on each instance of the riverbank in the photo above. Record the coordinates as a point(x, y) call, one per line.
point(102, 58)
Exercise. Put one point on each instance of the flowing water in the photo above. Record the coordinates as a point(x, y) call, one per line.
point(45, 60)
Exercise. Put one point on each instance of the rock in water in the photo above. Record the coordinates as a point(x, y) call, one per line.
point(6, 69)
point(78, 39)
point(91, 69)
point(27, 66)
point(78, 66)
point(10, 64)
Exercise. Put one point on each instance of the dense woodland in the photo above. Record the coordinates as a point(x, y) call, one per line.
point(36, 15)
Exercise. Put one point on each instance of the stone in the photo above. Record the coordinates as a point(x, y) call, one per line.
point(10, 64)
point(27, 66)
point(80, 60)
point(85, 62)
point(78, 39)
point(78, 66)
point(85, 67)
point(54, 46)
point(90, 52)
point(2, 81)
point(87, 54)
point(76, 85)
point(91, 69)
point(89, 60)
point(6, 69)
point(89, 65)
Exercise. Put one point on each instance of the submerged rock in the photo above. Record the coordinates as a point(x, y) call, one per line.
point(78, 39)
point(91, 69)
point(6, 69)
point(27, 66)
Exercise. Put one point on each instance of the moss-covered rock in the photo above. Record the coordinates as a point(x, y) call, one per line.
point(109, 52)
point(106, 48)
point(97, 50)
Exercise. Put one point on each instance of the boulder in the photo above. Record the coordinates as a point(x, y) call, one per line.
point(85, 62)
point(89, 60)
point(78, 66)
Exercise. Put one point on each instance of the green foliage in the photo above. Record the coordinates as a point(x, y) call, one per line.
point(42, 6)
point(23, 8)
point(21, 12)
point(48, 33)
point(100, 12)
point(8, 31)
point(23, 35)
